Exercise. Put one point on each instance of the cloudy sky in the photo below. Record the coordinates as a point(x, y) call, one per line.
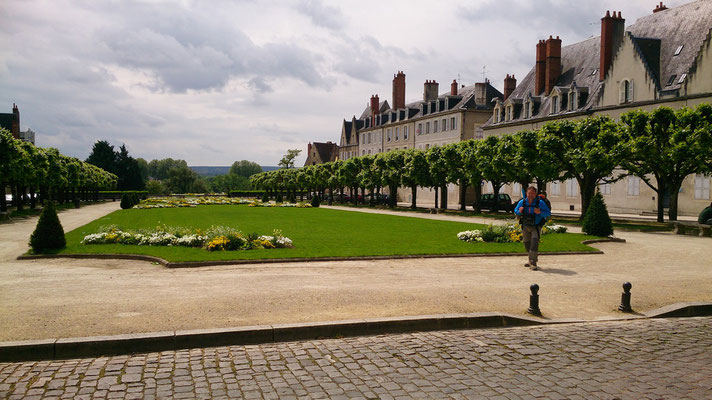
point(216, 81)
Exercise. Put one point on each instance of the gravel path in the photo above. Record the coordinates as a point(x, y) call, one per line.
point(68, 298)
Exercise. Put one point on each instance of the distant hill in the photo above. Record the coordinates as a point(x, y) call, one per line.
point(215, 171)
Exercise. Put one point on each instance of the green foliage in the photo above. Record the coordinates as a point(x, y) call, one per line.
point(278, 198)
point(49, 234)
point(315, 201)
point(291, 198)
point(265, 198)
point(597, 222)
point(154, 186)
point(245, 168)
point(129, 199)
point(288, 160)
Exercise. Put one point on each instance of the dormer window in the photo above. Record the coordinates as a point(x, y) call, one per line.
point(572, 101)
point(527, 109)
point(508, 113)
point(679, 49)
point(554, 104)
point(671, 80)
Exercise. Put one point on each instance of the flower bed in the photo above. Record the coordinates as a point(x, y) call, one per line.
point(173, 202)
point(508, 233)
point(213, 239)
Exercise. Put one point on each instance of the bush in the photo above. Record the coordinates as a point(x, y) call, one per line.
point(129, 200)
point(315, 201)
point(48, 234)
point(278, 199)
point(597, 222)
point(265, 198)
point(291, 198)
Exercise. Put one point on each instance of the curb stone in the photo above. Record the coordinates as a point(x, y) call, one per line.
point(66, 348)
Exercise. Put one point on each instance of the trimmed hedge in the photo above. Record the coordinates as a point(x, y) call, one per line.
point(49, 234)
point(116, 194)
point(597, 222)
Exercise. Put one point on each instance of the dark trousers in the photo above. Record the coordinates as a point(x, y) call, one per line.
point(530, 237)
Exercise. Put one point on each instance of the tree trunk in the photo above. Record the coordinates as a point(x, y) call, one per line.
point(3, 204)
point(495, 197)
point(414, 190)
point(674, 192)
point(478, 195)
point(393, 189)
point(443, 197)
point(363, 195)
point(662, 186)
point(463, 194)
point(33, 199)
point(436, 196)
point(541, 186)
point(588, 189)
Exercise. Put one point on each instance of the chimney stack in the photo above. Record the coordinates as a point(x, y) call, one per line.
point(612, 31)
point(430, 90)
point(374, 109)
point(660, 7)
point(540, 78)
point(553, 62)
point(510, 83)
point(15, 127)
point(453, 88)
point(399, 90)
point(481, 94)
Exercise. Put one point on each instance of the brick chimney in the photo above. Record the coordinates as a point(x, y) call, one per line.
point(453, 88)
point(481, 94)
point(553, 62)
point(510, 83)
point(540, 75)
point(374, 109)
point(308, 149)
point(399, 90)
point(659, 7)
point(15, 128)
point(612, 30)
point(430, 90)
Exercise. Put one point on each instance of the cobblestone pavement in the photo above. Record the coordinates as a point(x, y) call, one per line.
point(655, 359)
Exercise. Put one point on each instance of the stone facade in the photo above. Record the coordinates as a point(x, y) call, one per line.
point(663, 59)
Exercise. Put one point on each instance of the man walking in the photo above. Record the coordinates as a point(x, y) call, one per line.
point(533, 213)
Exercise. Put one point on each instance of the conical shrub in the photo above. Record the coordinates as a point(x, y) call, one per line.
point(596, 222)
point(49, 234)
point(278, 199)
point(315, 201)
point(265, 198)
point(126, 201)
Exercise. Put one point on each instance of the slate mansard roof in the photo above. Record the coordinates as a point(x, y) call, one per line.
point(656, 38)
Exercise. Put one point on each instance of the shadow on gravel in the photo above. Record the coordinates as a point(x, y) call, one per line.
point(558, 271)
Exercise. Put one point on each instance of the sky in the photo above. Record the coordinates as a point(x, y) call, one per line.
point(212, 82)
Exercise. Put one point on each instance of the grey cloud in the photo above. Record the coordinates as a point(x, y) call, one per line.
point(321, 15)
point(363, 58)
point(198, 49)
point(259, 84)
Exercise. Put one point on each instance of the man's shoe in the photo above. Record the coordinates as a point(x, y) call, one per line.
point(533, 267)
point(527, 265)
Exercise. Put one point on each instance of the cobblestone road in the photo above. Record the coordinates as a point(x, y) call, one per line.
point(656, 359)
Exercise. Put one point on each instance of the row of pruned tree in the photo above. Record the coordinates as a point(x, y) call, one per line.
point(662, 147)
point(36, 173)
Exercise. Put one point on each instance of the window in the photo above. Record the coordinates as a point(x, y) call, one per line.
point(572, 188)
point(369, 137)
point(435, 126)
point(572, 101)
point(427, 127)
point(363, 138)
point(526, 109)
point(405, 132)
point(556, 188)
point(388, 135)
point(671, 80)
point(702, 187)
point(496, 115)
point(554, 104)
point(626, 94)
point(604, 188)
point(508, 113)
point(517, 190)
point(682, 78)
point(453, 123)
point(396, 132)
point(633, 186)
point(444, 124)
point(678, 50)
point(420, 129)
point(363, 152)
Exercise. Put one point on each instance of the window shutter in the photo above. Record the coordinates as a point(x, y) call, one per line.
point(630, 90)
point(621, 97)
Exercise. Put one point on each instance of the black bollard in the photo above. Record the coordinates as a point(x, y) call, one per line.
point(625, 298)
point(534, 300)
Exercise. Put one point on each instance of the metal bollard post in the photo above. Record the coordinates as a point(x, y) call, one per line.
point(534, 300)
point(625, 298)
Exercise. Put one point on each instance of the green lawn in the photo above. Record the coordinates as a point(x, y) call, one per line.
point(316, 232)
